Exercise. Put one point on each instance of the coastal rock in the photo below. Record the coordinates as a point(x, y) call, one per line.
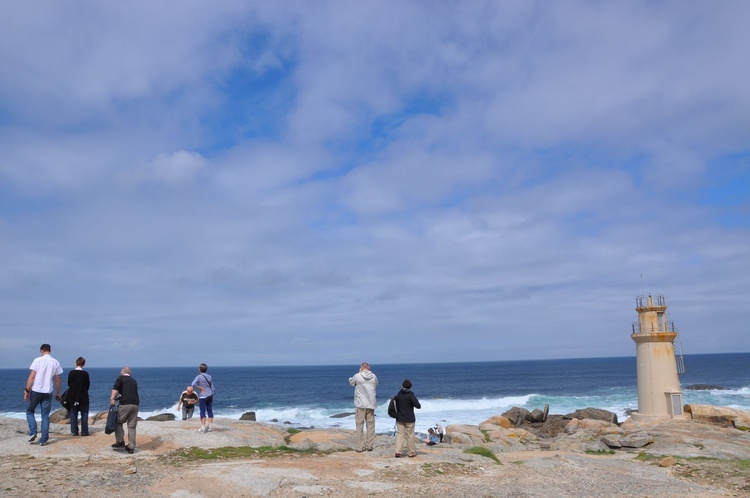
point(587, 423)
point(536, 415)
point(594, 414)
point(721, 415)
point(498, 420)
point(342, 415)
point(517, 416)
point(630, 425)
point(669, 461)
point(703, 387)
point(60, 416)
point(554, 425)
point(464, 434)
point(636, 440)
point(162, 417)
point(611, 441)
point(99, 416)
point(248, 416)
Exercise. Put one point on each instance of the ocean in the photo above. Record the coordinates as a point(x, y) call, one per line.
point(450, 393)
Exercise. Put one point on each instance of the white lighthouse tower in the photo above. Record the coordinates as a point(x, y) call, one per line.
point(659, 393)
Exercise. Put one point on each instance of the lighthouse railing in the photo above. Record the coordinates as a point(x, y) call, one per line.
point(654, 328)
point(679, 358)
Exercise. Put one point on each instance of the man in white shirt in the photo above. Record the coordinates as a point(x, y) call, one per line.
point(38, 391)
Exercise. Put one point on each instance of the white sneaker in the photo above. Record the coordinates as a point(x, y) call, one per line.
point(200, 429)
point(210, 428)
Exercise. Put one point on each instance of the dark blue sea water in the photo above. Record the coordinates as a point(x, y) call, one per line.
point(449, 392)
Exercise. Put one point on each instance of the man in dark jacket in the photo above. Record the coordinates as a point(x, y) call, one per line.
point(126, 389)
point(78, 397)
point(406, 402)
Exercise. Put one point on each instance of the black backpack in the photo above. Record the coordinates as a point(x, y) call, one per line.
point(392, 408)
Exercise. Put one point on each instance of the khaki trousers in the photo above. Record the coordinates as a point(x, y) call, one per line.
point(126, 414)
point(365, 415)
point(406, 431)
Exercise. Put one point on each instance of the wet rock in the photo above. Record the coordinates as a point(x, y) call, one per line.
point(342, 415)
point(248, 416)
point(162, 417)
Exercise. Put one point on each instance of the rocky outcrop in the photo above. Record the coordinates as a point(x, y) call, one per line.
point(594, 414)
point(248, 416)
point(637, 440)
point(586, 423)
point(491, 434)
point(162, 417)
point(497, 420)
point(518, 416)
point(60, 416)
point(722, 415)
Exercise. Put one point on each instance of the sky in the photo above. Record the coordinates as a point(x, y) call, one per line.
point(331, 182)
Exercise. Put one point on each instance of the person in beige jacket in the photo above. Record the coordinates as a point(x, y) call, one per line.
point(365, 382)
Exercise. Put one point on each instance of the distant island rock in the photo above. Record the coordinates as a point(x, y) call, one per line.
point(342, 415)
point(704, 387)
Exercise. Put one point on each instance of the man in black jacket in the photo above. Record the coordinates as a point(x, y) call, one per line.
point(126, 390)
point(406, 402)
point(78, 397)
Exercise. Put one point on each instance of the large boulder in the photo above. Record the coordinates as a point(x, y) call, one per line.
point(248, 416)
point(464, 434)
point(586, 423)
point(497, 420)
point(593, 414)
point(518, 416)
point(60, 416)
point(554, 425)
point(722, 415)
point(162, 417)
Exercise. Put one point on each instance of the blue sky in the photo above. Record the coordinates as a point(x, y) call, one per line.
point(280, 183)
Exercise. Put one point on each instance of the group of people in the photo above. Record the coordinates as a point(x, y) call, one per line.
point(365, 386)
point(44, 378)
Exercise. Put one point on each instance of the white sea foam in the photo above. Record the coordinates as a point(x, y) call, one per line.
point(452, 411)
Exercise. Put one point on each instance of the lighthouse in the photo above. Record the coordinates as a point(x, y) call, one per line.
point(659, 393)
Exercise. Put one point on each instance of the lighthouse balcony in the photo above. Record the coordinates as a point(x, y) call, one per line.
point(654, 328)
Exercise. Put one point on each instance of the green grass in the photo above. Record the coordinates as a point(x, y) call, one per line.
point(292, 432)
point(482, 451)
point(600, 452)
point(486, 436)
point(225, 452)
point(648, 457)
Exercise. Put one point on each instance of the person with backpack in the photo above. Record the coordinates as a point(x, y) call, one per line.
point(364, 383)
point(406, 402)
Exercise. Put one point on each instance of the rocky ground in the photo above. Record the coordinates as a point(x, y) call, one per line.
point(251, 459)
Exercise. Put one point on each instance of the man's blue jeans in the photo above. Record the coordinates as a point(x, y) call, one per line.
point(44, 399)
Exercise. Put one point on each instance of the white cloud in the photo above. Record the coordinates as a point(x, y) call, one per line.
point(313, 175)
